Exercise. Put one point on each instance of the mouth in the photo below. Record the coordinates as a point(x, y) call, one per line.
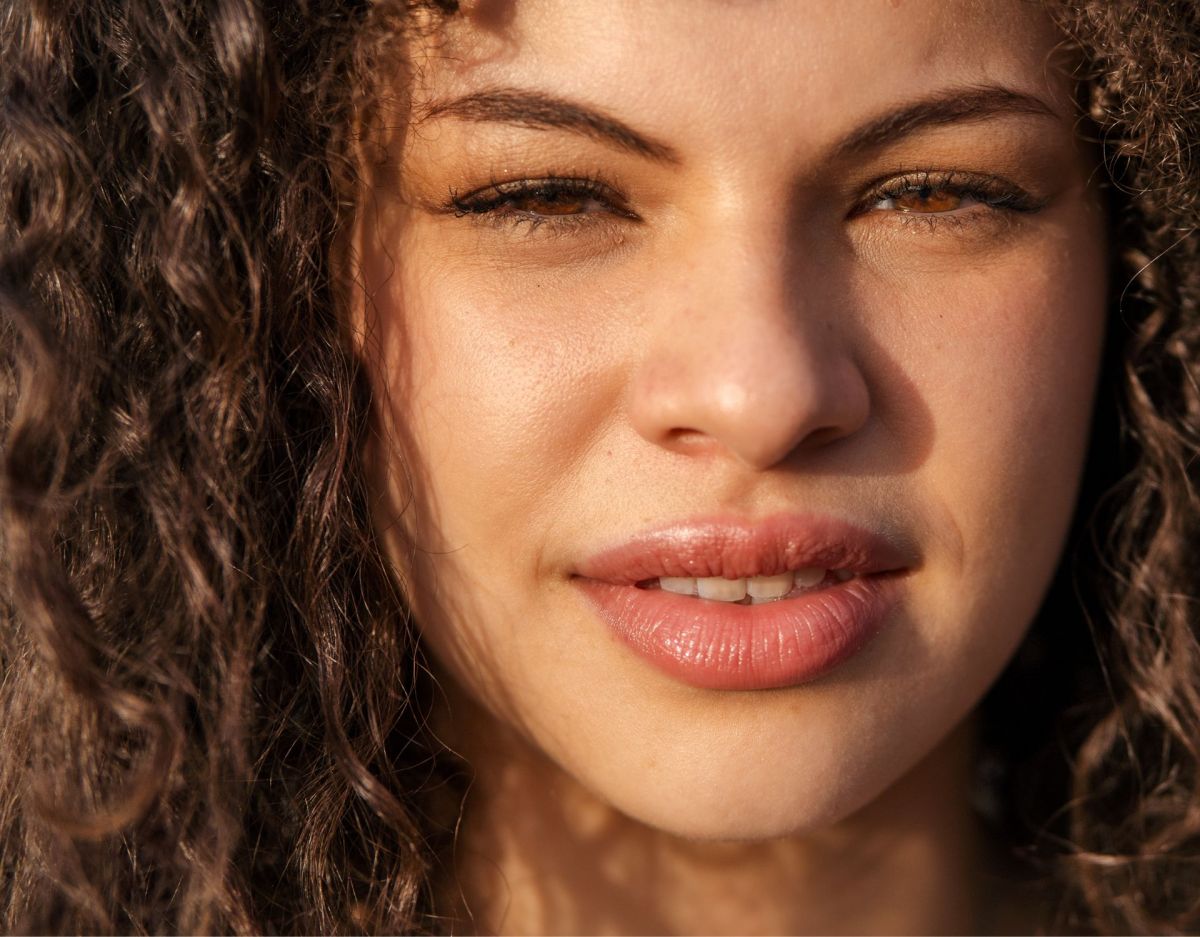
point(753, 590)
point(724, 604)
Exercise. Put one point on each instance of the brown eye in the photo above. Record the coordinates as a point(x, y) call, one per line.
point(552, 203)
point(928, 199)
point(526, 201)
point(932, 197)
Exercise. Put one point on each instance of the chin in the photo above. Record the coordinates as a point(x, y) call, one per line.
point(768, 787)
point(741, 809)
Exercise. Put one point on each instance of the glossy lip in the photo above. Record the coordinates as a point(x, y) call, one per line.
point(719, 645)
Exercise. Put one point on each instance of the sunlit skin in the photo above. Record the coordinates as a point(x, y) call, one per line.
point(770, 299)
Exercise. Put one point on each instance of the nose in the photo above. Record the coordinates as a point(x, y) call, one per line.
point(742, 358)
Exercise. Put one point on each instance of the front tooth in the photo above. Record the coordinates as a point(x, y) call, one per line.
point(843, 575)
point(770, 587)
point(680, 585)
point(723, 590)
point(809, 576)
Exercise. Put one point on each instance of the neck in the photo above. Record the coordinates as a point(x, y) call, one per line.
point(538, 853)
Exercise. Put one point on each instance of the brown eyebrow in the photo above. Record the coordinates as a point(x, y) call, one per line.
point(956, 105)
point(539, 111)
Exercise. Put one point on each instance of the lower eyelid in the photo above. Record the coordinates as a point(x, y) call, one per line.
point(983, 209)
point(979, 220)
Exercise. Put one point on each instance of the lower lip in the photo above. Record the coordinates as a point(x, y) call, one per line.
point(720, 646)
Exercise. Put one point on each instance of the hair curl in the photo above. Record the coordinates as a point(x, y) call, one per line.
point(202, 723)
point(1133, 856)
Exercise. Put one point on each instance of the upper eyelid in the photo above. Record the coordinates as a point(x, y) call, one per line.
point(488, 202)
point(493, 196)
point(956, 178)
point(916, 178)
point(507, 187)
point(953, 179)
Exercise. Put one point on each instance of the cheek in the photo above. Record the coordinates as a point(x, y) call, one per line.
point(1007, 358)
point(498, 391)
point(1013, 381)
point(517, 397)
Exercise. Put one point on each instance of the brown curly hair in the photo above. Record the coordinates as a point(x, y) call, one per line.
point(203, 727)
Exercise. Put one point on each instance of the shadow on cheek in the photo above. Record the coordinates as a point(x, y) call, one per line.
point(902, 429)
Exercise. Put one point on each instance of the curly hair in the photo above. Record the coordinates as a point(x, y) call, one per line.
point(203, 724)
point(1134, 798)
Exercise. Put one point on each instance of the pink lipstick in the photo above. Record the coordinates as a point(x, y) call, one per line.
point(765, 630)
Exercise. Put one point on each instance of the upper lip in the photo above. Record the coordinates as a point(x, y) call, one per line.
point(740, 549)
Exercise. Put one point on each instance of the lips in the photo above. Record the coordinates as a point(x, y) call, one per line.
point(720, 645)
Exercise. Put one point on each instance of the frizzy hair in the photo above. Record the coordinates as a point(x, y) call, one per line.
point(1132, 861)
point(212, 701)
point(204, 707)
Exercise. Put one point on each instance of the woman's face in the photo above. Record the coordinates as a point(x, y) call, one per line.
point(803, 296)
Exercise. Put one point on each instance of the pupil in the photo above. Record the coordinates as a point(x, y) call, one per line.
point(551, 203)
point(926, 198)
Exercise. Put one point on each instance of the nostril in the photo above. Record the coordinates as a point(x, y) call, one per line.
point(686, 438)
point(822, 436)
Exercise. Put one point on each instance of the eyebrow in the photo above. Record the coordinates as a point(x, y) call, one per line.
point(540, 111)
point(956, 105)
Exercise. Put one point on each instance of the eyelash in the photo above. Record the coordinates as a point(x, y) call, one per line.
point(495, 203)
point(996, 196)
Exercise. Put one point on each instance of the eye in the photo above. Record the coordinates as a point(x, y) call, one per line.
point(553, 200)
point(927, 200)
point(930, 194)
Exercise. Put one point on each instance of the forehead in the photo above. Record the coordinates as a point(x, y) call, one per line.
point(701, 68)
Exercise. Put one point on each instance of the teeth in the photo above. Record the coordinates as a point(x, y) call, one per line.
point(680, 585)
point(770, 587)
point(758, 588)
point(809, 576)
point(723, 590)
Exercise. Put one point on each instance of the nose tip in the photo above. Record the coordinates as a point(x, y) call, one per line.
point(759, 398)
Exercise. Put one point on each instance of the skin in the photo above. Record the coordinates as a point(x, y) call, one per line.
point(745, 328)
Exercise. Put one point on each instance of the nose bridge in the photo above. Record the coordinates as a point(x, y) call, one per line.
point(744, 355)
